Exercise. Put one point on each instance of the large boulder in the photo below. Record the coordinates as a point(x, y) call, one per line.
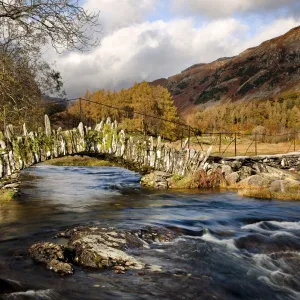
point(96, 247)
point(256, 181)
point(281, 174)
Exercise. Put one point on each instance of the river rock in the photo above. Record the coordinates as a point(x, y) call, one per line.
point(259, 168)
point(278, 186)
point(281, 174)
point(156, 234)
point(45, 252)
point(96, 247)
point(52, 255)
point(94, 254)
point(104, 247)
point(60, 267)
point(212, 168)
point(256, 181)
point(157, 180)
point(245, 172)
point(121, 239)
point(226, 170)
point(282, 186)
point(15, 185)
point(232, 178)
point(235, 165)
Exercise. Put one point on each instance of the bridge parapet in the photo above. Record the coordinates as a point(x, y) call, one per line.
point(20, 152)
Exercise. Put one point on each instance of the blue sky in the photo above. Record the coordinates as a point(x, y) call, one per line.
point(150, 39)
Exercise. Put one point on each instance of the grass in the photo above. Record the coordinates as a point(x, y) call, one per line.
point(245, 146)
point(265, 193)
point(84, 161)
point(7, 195)
point(197, 180)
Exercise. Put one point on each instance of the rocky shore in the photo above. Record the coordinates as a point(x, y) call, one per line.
point(261, 177)
point(9, 188)
point(98, 248)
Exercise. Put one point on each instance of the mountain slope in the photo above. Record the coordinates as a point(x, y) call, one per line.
point(261, 72)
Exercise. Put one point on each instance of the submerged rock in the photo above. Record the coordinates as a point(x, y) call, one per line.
point(10, 286)
point(156, 234)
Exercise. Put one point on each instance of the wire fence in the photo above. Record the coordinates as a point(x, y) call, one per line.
point(238, 144)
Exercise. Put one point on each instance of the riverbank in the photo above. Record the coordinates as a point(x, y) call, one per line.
point(9, 188)
point(263, 182)
point(79, 161)
point(7, 195)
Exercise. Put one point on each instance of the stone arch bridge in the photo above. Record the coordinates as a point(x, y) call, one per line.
point(20, 152)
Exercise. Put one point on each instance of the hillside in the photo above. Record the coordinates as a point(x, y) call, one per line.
point(261, 72)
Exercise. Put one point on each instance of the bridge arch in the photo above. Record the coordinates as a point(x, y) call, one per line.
point(20, 152)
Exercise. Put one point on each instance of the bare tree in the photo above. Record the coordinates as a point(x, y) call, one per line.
point(64, 23)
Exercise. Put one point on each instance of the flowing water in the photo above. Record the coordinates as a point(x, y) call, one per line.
point(230, 248)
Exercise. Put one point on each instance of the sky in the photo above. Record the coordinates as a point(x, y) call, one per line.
point(151, 39)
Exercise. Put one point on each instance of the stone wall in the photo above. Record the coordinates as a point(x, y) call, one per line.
point(288, 161)
point(19, 152)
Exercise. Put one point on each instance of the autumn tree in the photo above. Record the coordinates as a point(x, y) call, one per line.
point(277, 116)
point(142, 108)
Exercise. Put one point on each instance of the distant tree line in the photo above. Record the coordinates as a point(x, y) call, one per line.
point(274, 116)
point(131, 104)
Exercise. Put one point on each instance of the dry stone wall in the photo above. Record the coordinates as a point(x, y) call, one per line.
point(20, 152)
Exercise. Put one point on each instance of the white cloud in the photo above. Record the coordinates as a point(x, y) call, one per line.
point(116, 14)
point(146, 52)
point(222, 8)
point(133, 50)
point(269, 31)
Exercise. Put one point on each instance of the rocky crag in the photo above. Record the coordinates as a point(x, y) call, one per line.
point(261, 72)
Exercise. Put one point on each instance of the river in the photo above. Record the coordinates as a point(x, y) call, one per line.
point(230, 248)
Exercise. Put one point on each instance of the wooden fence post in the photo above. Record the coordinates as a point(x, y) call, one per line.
point(80, 109)
point(235, 149)
point(181, 138)
point(255, 143)
point(4, 118)
point(189, 137)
